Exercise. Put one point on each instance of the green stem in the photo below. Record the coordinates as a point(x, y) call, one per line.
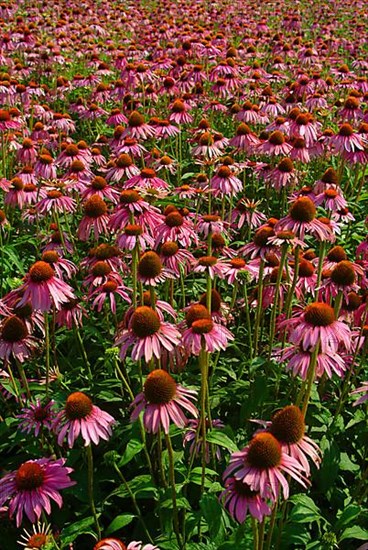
point(310, 378)
point(24, 378)
point(276, 299)
point(47, 349)
point(83, 351)
point(90, 489)
point(259, 306)
point(173, 488)
point(134, 500)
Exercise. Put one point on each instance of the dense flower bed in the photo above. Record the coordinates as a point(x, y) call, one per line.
point(184, 275)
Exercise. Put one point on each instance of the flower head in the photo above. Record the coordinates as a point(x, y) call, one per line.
point(162, 401)
point(31, 488)
point(81, 417)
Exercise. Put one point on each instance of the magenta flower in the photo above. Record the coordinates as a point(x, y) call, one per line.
point(239, 499)
point(31, 488)
point(298, 361)
point(15, 340)
point(176, 259)
point(148, 335)
point(302, 219)
point(262, 464)
point(42, 289)
point(177, 228)
point(203, 332)
point(163, 401)
point(95, 219)
point(81, 417)
point(36, 417)
point(288, 427)
point(150, 269)
point(317, 324)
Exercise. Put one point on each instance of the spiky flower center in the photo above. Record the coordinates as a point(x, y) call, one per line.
point(337, 254)
point(319, 314)
point(178, 106)
point(224, 171)
point(129, 196)
point(54, 194)
point(95, 207)
point(40, 272)
point(210, 218)
point(207, 261)
point(38, 540)
point(105, 251)
point(135, 119)
point(286, 165)
point(218, 240)
point(133, 230)
point(353, 301)
point(346, 130)
point(98, 183)
point(264, 451)
point(2, 216)
point(169, 248)
point(78, 405)
point(29, 476)
point(71, 150)
point(195, 313)
point(150, 265)
point(14, 329)
point(206, 139)
point(277, 138)
point(330, 176)
point(159, 387)
point(110, 286)
point(343, 274)
point(101, 269)
point(144, 322)
point(262, 235)
point(237, 263)
point(50, 257)
point(40, 414)
point(306, 268)
point(17, 184)
point(202, 326)
point(174, 219)
point(124, 161)
point(288, 425)
point(243, 130)
point(303, 210)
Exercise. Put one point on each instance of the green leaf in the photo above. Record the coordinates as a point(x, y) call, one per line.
point(218, 437)
point(213, 514)
point(132, 449)
point(346, 464)
point(304, 511)
point(348, 514)
point(355, 532)
point(119, 522)
point(82, 527)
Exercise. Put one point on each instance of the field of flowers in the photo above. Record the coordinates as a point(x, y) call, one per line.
point(184, 275)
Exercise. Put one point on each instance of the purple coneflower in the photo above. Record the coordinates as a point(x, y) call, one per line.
point(148, 335)
point(42, 289)
point(239, 499)
point(81, 417)
point(36, 417)
point(302, 219)
point(15, 340)
point(33, 485)
point(317, 324)
point(163, 401)
point(262, 465)
point(203, 333)
point(177, 228)
point(95, 219)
